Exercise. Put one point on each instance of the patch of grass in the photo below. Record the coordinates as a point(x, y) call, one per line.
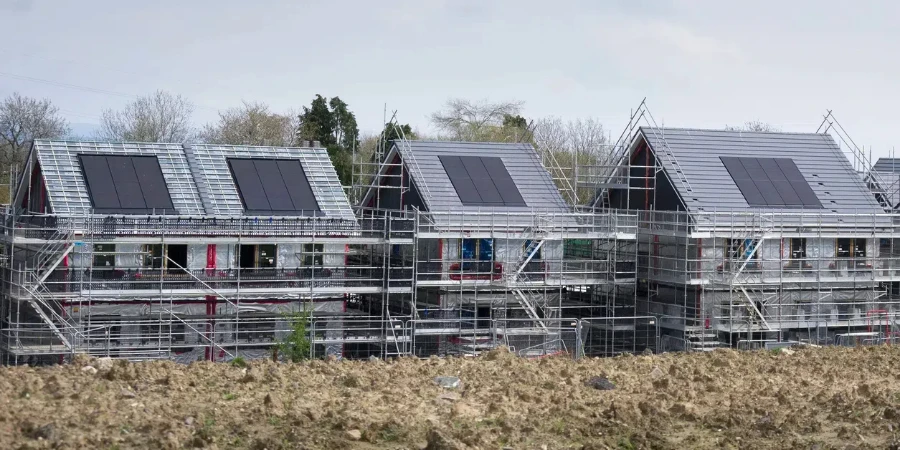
point(229, 396)
point(625, 444)
point(274, 421)
point(391, 433)
point(558, 426)
point(776, 351)
point(239, 361)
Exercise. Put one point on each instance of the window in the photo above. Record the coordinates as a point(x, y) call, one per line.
point(152, 256)
point(175, 256)
point(313, 254)
point(798, 248)
point(257, 256)
point(529, 246)
point(267, 257)
point(478, 249)
point(257, 330)
point(104, 255)
point(850, 248)
point(742, 249)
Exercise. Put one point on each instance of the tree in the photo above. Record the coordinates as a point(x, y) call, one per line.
point(565, 145)
point(334, 126)
point(346, 133)
point(159, 117)
point(252, 124)
point(296, 345)
point(753, 125)
point(464, 120)
point(24, 119)
point(393, 132)
point(317, 123)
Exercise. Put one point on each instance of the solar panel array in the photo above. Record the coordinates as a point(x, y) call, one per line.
point(126, 184)
point(481, 181)
point(273, 186)
point(771, 182)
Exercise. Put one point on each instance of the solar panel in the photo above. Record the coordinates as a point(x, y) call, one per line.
point(249, 186)
point(798, 182)
point(99, 182)
point(481, 181)
point(460, 179)
point(273, 186)
point(772, 182)
point(743, 181)
point(504, 183)
point(153, 185)
point(298, 185)
point(126, 184)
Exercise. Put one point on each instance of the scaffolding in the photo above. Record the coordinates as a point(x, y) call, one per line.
point(614, 275)
point(752, 279)
point(488, 277)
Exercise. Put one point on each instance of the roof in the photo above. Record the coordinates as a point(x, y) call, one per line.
point(220, 195)
point(707, 186)
point(197, 176)
point(66, 188)
point(521, 161)
point(886, 165)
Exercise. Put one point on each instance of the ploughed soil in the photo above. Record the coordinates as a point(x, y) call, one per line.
point(799, 398)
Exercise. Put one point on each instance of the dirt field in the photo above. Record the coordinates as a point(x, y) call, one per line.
point(808, 398)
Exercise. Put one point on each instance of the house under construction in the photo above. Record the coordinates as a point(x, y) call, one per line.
point(498, 257)
point(176, 251)
point(695, 239)
point(752, 238)
point(187, 252)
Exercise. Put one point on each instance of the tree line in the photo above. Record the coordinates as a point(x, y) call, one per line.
point(165, 117)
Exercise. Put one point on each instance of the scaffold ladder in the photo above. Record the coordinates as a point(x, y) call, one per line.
point(874, 179)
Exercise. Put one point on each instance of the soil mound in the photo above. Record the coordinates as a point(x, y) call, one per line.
point(807, 398)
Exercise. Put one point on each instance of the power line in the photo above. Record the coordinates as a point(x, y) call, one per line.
point(66, 85)
point(82, 88)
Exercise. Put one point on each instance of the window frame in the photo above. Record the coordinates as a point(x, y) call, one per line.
point(97, 259)
point(312, 255)
point(799, 254)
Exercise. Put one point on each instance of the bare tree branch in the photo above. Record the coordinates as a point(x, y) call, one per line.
point(753, 125)
point(159, 117)
point(252, 124)
point(23, 119)
point(464, 120)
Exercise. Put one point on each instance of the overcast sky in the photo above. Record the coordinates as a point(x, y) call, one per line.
point(698, 63)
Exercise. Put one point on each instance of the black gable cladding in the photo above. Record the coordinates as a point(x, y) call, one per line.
point(273, 186)
point(126, 184)
point(481, 181)
point(771, 182)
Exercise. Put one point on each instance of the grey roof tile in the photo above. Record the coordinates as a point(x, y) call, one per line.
point(521, 161)
point(817, 156)
point(197, 175)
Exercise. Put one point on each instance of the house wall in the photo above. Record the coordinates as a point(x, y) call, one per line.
point(649, 189)
point(511, 251)
point(682, 260)
point(130, 333)
point(129, 256)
